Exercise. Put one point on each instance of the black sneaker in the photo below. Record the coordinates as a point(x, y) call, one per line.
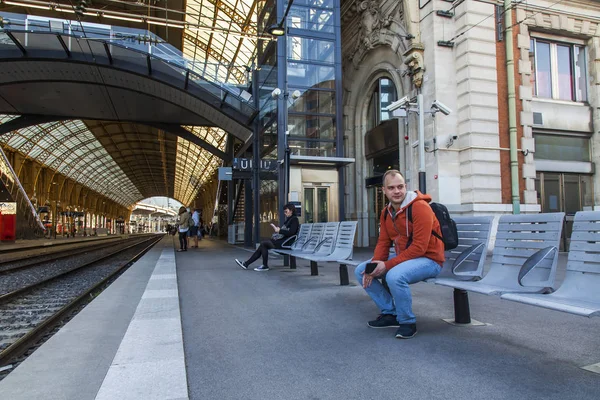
point(261, 268)
point(406, 331)
point(384, 321)
point(241, 264)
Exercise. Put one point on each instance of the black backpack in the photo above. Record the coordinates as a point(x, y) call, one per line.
point(447, 225)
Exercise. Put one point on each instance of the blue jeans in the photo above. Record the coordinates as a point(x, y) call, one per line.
point(399, 303)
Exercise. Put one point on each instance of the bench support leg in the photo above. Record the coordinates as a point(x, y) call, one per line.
point(292, 262)
point(314, 269)
point(462, 313)
point(286, 260)
point(344, 275)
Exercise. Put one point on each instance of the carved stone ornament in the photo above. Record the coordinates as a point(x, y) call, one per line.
point(413, 58)
point(375, 28)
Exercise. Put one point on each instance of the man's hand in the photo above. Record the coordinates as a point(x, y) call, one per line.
point(377, 272)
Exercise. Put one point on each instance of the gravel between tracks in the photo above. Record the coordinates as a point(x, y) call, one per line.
point(29, 276)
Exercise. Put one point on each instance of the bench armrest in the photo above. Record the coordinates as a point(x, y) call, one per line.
point(466, 253)
point(308, 241)
point(321, 243)
point(284, 245)
point(534, 260)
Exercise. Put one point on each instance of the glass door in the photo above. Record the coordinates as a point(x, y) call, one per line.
point(316, 204)
point(377, 202)
point(566, 193)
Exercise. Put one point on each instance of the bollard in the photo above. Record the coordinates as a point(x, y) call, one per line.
point(344, 275)
point(314, 269)
point(462, 314)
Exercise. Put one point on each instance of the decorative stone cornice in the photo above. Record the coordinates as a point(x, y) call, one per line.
point(376, 27)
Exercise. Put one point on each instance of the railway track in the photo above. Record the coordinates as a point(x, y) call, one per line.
point(30, 312)
point(25, 260)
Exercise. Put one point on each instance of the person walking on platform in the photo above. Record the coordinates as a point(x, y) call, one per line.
point(195, 229)
point(418, 254)
point(183, 223)
point(282, 235)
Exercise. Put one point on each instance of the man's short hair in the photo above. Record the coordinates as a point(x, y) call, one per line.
point(391, 172)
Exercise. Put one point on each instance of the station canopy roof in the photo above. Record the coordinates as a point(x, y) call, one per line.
point(124, 162)
point(128, 162)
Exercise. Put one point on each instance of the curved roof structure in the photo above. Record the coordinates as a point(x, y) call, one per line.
point(128, 161)
point(125, 162)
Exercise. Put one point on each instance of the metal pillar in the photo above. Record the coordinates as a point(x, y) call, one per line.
point(422, 173)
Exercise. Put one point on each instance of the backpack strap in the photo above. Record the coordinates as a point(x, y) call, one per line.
point(409, 216)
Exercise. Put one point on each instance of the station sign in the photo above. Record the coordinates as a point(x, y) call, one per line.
point(245, 164)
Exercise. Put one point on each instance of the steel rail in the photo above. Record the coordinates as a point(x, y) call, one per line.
point(10, 295)
point(76, 251)
point(29, 339)
point(50, 245)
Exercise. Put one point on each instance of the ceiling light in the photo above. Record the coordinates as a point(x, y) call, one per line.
point(276, 30)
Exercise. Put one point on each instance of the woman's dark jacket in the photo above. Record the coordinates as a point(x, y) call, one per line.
point(289, 228)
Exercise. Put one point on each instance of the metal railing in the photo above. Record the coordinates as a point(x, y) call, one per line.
point(103, 43)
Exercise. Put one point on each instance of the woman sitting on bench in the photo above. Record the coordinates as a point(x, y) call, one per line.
point(282, 235)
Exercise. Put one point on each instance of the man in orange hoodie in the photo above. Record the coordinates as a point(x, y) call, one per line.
point(417, 254)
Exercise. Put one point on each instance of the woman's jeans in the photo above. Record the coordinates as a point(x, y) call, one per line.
point(183, 240)
point(399, 302)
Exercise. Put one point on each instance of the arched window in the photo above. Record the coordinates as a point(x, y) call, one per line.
point(383, 95)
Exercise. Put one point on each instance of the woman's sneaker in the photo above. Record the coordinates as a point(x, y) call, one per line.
point(241, 264)
point(262, 268)
point(384, 321)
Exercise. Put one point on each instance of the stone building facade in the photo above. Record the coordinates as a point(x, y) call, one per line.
point(456, 53)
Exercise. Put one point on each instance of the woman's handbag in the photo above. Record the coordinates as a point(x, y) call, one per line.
point(277, 236)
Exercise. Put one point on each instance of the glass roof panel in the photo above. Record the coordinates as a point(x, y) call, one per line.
point(70, 148)
point(194, 166)
point(222, 32)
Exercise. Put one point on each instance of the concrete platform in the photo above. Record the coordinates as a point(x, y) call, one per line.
point(283, 334)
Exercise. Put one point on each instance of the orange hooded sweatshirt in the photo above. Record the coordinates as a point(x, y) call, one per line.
point(396, 228)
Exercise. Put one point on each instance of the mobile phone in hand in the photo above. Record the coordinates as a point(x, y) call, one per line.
point(370, 268)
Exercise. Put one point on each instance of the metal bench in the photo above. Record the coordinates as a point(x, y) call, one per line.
point(465, 262)
point(300, 240)
point(523, 243)
point(340, 249)
point(580, 291)
point(322, 238)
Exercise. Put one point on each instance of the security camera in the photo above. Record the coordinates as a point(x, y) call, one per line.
point(439, 106)
point(296, 94)
point(275, 93)
point(403, 102)
point(454, 137)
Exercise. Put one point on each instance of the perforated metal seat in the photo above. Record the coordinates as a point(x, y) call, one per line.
point(580, 291)
point(527, 242)
point(465, 263)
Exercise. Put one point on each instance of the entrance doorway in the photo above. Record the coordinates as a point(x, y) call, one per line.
point(377, 201)
point(568, 193)
point(316, 204)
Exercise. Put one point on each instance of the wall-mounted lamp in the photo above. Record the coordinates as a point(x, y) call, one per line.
point(280, 29)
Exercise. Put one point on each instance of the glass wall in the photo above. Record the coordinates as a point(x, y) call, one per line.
point(311, 78)
point(267, 80)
